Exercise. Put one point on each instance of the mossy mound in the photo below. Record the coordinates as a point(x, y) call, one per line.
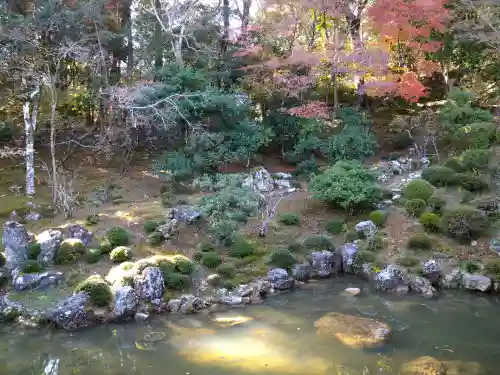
point(120, 254)
point(70, 251)
point(98, 289)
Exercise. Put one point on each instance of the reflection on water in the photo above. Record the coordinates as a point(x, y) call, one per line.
point(460, 330)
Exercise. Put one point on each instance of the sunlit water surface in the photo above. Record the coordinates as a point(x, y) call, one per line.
point(275, 338)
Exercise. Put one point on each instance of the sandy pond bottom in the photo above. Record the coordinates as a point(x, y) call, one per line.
point(275, 338)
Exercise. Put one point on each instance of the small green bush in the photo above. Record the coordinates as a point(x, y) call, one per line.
point(378, 242)
point(3, 261)
point(472, 182)
point(335, 226)
point(415, 207)
point(105, 247)
point(492, 268)
point(31, 266)
point(470, 266)
point(92, 219)
point(177, 281)
point(465, 223)
point(440, 176)
point(475, 159)
point(364, 256)
point(317, 242)
point(352, 235)
point(150, 226)
point(120, 254)
point(289, 218)
point(408, 261)
point(70, 251)
point(99, 291)
point(466, 196)
point(224, 231)
point(378, 217)
point(118, 236)
point(241, 248)
point(420, 241)
point(418, 189)
point(155, 238)
point(430, 221)
point(282, 258)
point(437, 204)
point(206, 246)
point(93, 255)
point(226, 270)
point(229, 285)
point(454, 164)
point(183, 265)
point(197, 255)
point(211, 260)
point(34, 249)
point(295, 247)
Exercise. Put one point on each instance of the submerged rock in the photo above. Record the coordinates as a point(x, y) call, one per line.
point(73, 313)
point(431, 271)
point(39, 281)
point(78, 231)
point(301, 272)
point(15, 240)
point(279, 279)
point(324, 263)
point(149, 285)
point(422, 285)
point(423, 366)
point(354, 331)
point(353, 291)
point(126, 302)
point(348, 253)
point(50, 240)
point(475, 282)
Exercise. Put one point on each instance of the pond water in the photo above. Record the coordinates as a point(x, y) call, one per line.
point(277, 337)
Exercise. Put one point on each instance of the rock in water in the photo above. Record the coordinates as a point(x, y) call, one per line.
point(149, 285)
point(301, 272)
point(279, 279)
point(78, 231)
point(476, 282)
point(353, 291)
point(348, 252)
point(15, 240)
point(354, 331)
point(423, 366)
point(73, 313)
point(50, 241)
point(324, 263)
point(125, 302)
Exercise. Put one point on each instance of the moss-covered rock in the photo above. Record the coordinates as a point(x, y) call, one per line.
point(226, 270)
point(423, 366)
point(120, 254)
point(183, 265)
point(241, 248)
point(211, 260)
point(99, 291)
point(70, 251)
point(93, 255)
point(3, 261)
point(118, 236)
point(34, 249)
point(282, 258)
point(105, 246)
point(177, 281)
point(155, 238)
point(31, 266)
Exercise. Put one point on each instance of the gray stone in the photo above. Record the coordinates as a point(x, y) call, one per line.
point(38, 281)
point(348, 253)
point(174, 305)
point(475, 282)
point(50, 241)
point(73, 313)
point(452, 279)
point(15, 240)
point(301, 272)
point(367, 227)
point(169, 229)
point(431, 271)
point(149, 285)
point(422, 285)
point(324, 263)
point(231, 299)
point(78, 231)
point(185, 214)
point(126, 302)
point(264, 286)
point(32, 216)
point(395, 167)
point(191, 304)
point(140, 317)
point(391, 279)
point(279, 279)
point(260, 180)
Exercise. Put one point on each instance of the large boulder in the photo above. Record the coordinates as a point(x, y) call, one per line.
point(475, 282)
point(279, 279)
point(184, 214)
point(260, 180)
point(126, 302)
point(431, 271)
point(423, 366)
point(150, 285)
point(422, 285)
point(354, 331)
point(73, 313)
point(324, 263)
point(15, 240)
point(301, 271)
point(50, 240)
point(78, 231)
point(38, 281)
point(348, 253)
point(392, 279)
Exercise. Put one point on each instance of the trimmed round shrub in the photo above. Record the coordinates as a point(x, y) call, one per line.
point(420, 241)
point(418, 189)
point(335, 226)
point(34, 249)
point(206, 246)
point(120, 254)
point(475, 159)
point(93, 255)
point(31, 266)
point(454, 164)
point(118, 236)
point(472, 182)
point(282, 258)
point(99, 291)
point(440, 176)
point(437, 204)
point(364, 256)
point(378, 217)
point(155, 238)
point(183, 265)
point(3, 261)
point(229, 285)
point(289, 218)
point(177, 281)
point(197, 255)
point(211, 260)
point(241, 248)
point(150, 226)
point(92, 219)
point(465, 223)
point(70, 251)
point(226, 270)
point(105, 247)
point(430, 221)
point(317, 242)
point(415, 207)
point(295, 247)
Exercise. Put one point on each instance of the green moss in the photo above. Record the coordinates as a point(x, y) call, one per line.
point(105, 247)
point(335, 226)
point(34, 249)
point(93, 256)
point(289, 218)
point(241, 248)
point(118, 236)
point(211, 260)
point(31, 266)
point(408, 261)
point(226, 270)
point(150, 226)
point(155, 238)
point(70, 251)
point(99, 291)
point(206, 246)
point(420, 241)
point(295, 247)
point(183, 265)
point(418, 189)
point(430, 221)
point(282, 258)
point(415, 207)
point(229, 284)
point(317, 242)
point(361, 257)
point(378, 217)
point(92, 219)
point(177, 281)
point(120, 254)
point(492, 269)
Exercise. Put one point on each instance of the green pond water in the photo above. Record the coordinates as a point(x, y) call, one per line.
point(277, 337)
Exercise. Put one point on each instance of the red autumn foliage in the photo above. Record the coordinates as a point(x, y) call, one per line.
point(312, 109)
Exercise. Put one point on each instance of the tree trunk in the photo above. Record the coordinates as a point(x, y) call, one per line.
point(53, 108)
point(127, 19)
point(29, 128)
point(245, 18)
point(158, 38)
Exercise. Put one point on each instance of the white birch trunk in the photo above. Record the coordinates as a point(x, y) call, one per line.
point(53, 150)
point(29, 129)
